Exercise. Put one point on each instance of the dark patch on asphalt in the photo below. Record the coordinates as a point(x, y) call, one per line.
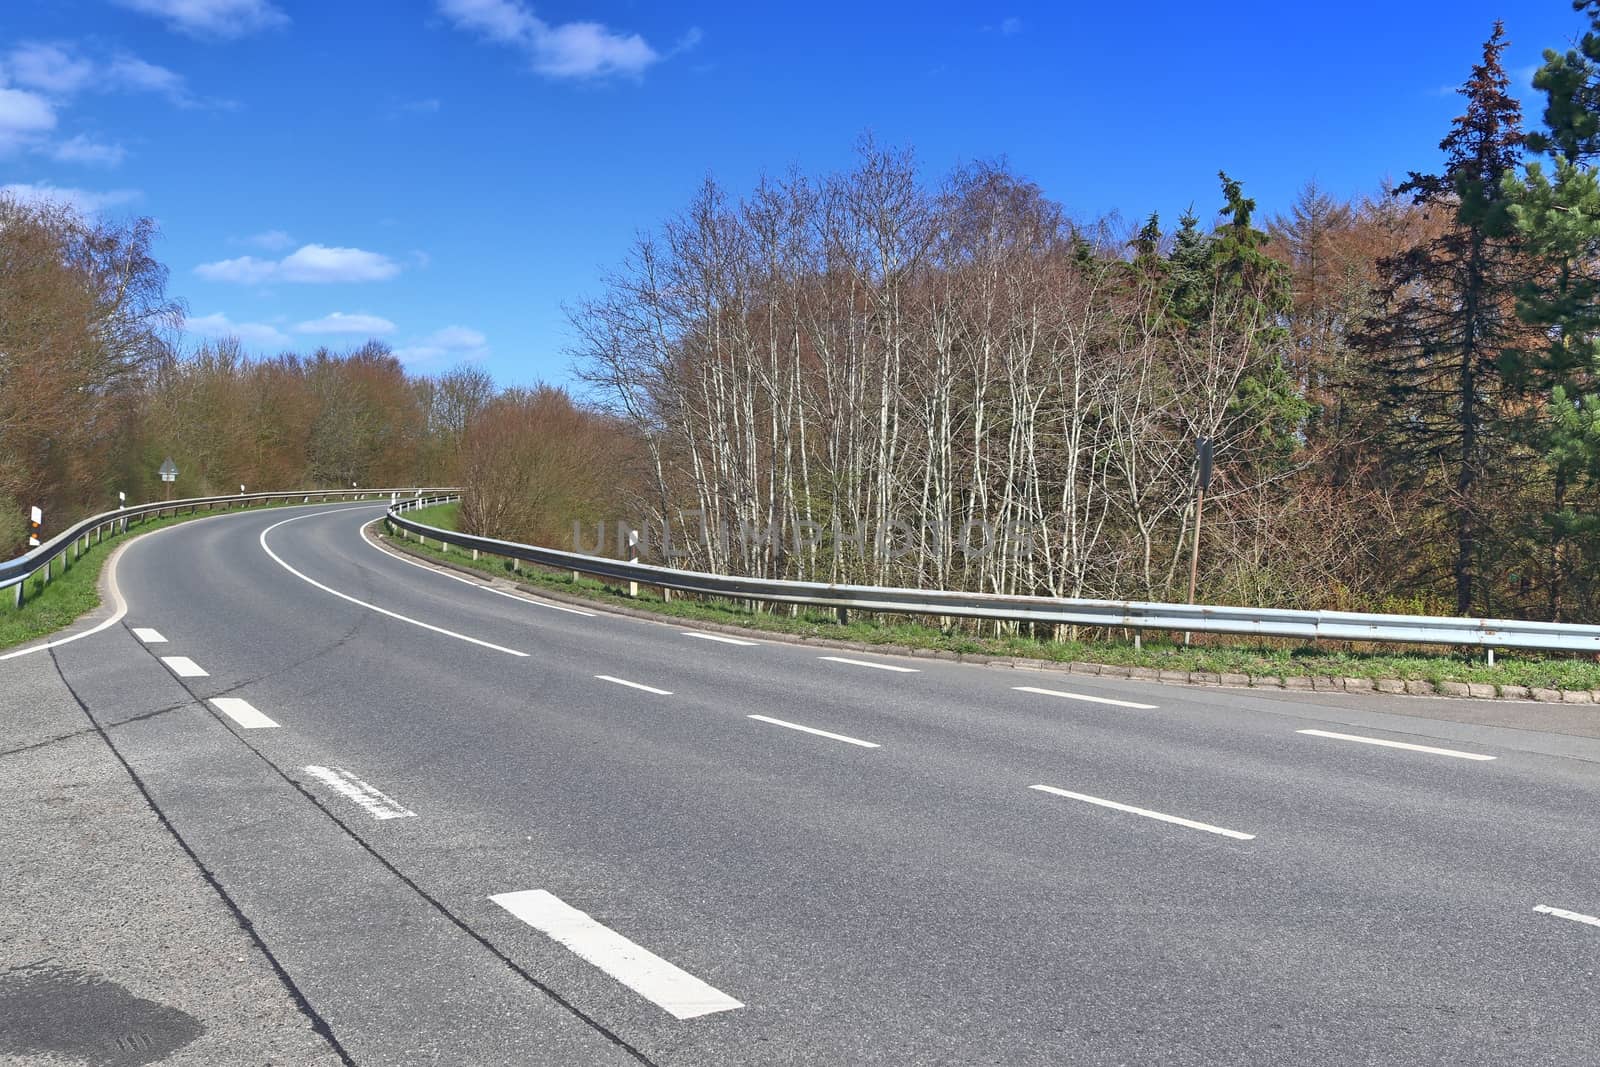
point(62, 1011)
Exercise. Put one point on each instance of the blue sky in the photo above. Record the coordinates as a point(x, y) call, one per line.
point(445, 174)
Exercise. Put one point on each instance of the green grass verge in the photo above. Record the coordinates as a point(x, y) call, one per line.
point(70, 594)
point(1159, 652)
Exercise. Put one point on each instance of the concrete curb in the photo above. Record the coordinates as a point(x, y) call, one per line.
point(1385, 686)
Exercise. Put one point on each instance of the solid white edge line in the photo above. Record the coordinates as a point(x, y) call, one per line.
point(110, 573)
point(362, 603)
point(1084, 697)
point(1146, 812)
point(1397, 744)
point(814, 730)
point(184, 667)
point(1563, 913)
point(664, 984)
point(149, 636)
point(116, 595)
point(869, 663)
point(719, 637)
point(376, 803)
point(468, 581)
point(635, 685)
point(243, 712)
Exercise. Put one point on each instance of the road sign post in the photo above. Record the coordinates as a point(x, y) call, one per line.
point(169, 474)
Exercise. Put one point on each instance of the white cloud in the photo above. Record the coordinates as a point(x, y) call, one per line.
point(23, 117)
point(250, 333)
point(309, 264)
point(271, 240)
point(81, 149)
point(134, 74)
point(49, 68)
point(460, 342)
point(82, 200)
point(568, 50)
point(339, 322)
point(1010, 26)
point(211, 18)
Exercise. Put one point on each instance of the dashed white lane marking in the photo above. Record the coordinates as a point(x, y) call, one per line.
point(635, 685)
point(149, 636)
point(372, 607)
point(653, 978)
point(243, 713)
point(719, 637)
point(1563, 913)
point(377, 804)
point(1397, 744)
point(1084, 697)
point(869, 663)
point(813, 730)
point(184, 667)
point(468, 581)
point(1130, 809)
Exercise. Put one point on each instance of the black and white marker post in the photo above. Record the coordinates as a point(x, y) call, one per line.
point(1203, 463)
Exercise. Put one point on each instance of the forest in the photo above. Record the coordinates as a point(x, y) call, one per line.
point(879, 376)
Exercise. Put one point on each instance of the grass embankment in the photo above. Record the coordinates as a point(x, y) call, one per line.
point(70, 594)
point(1159, 652)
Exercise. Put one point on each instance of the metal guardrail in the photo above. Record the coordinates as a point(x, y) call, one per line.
point(1136, 615)
point(77, 538)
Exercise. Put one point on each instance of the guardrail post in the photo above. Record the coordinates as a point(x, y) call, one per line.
point(1491, 656)
point(843, 616)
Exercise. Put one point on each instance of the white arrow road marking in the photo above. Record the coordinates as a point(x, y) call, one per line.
point(1190, 823)
point(663, 984)
point(1397, 744)
point(184, 667)
point(1084, 697)
point(1562, 913)
point(149, 636)
point(377, 804)
point(869, 663)
point(635, 685)
point(718, 637)
point(362, 603)
point(241, 712)
point(812, 730)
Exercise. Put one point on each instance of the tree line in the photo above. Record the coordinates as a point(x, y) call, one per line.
point(1401, 389)
point(96, 390)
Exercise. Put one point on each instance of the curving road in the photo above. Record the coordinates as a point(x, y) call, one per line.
point(474, 828)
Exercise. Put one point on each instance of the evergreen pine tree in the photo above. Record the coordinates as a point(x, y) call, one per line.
point(1445, 335)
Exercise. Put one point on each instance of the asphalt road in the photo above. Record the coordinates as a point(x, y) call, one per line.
point(473, 828)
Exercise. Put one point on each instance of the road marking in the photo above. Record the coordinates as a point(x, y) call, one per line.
point(377, 804)
point(869, 663)
point(241, 712)
point(718, 637)
point(653, 978)
point(149, 636)
point(635, 685)
point(1190, 823)
point(362, 603)
point(1398, 744)
point(1562, 913)
point(468, 581)
point(812, 730)
point(121, 611)
point(1084, 697)
point(184, 667)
